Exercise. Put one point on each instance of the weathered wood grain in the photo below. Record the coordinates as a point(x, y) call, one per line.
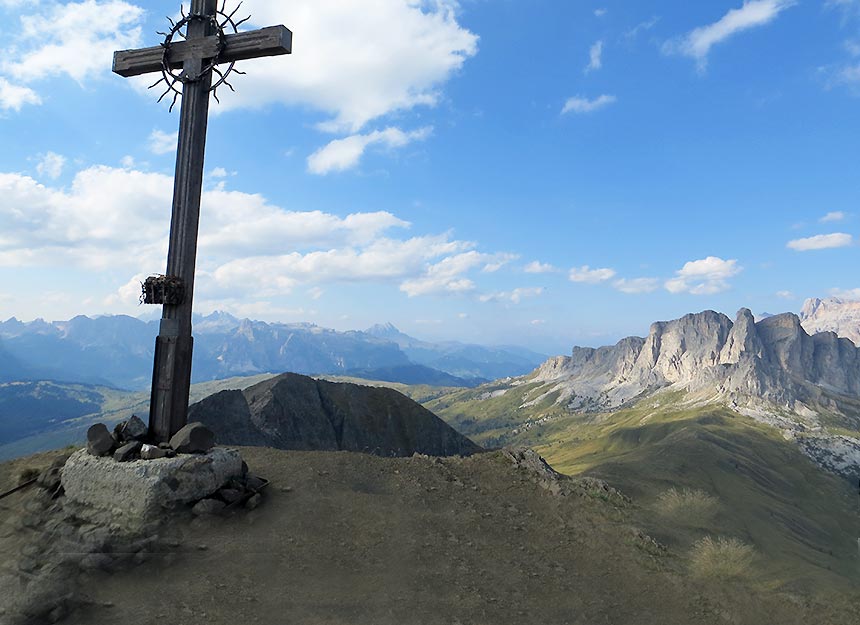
point(271, 41)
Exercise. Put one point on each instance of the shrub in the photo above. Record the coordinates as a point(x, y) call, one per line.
point(687, 506)
point(723, 558)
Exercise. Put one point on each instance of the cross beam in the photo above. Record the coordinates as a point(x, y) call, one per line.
point(271, 41)
point(171, 372)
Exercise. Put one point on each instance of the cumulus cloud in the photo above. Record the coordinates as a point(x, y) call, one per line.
point(351, 61)
point(588, 275)
point(76, 39)
point(51, 165)
point(539, 267)
point(579, 104)
point(515, 296)
point(821, 242)
point(637, 285)
point(343, 154)
point(118, 219)
point(161, 142)
point(833, 216)
point(595, 57)
point(448, 275)
point(704, 277)
point(847, 294)
point(697, 43)
point(14, 97)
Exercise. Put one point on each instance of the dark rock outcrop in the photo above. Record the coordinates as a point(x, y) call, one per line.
point(297, 412)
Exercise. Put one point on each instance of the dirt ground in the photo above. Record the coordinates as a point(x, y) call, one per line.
point(345, 538)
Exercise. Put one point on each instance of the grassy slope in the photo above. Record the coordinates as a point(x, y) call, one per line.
point(802, 521)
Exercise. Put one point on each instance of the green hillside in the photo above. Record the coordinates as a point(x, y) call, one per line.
point(695, 472)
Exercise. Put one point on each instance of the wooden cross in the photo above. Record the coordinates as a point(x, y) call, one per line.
point(205, 46)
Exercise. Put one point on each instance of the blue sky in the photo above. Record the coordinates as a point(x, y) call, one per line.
point(534, 172)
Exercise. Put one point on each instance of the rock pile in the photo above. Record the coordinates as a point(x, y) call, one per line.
point(130, 441)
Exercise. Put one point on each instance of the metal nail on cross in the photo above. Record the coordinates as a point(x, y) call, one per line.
point(189, 62)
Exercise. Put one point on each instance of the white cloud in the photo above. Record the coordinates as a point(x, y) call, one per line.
point(785, 295)
point(537, 322)
point(595, 57)
point(316, 292)
point(539, 267)
point(821, 242)
point(446, 276)
point(847, 294)
point(218, 172)
point(51, 165)
point(600, 12)
point(704, 277)
point(515, 296)
point(14, 97)
point(833, 216)
point(579, 104)
point(247, 246)
point(637, 285)
point(343, 154)
point(631, 34)
point(76, 39)
point(161, 142)
point(697, 44)
point(499, 261)
point(356, 61)
point(591, 276)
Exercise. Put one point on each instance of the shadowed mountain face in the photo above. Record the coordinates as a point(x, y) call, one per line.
point(297, 412)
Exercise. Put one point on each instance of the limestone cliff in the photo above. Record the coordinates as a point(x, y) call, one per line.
point(298, 412)
point(774, 360)
point(832, 315)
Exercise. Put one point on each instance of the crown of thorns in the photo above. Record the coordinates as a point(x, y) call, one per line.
point(220, 22)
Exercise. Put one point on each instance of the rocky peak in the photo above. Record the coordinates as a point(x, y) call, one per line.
point(773, 359)
point(743, 340)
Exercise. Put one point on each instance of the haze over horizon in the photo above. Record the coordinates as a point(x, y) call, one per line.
point(520, 173)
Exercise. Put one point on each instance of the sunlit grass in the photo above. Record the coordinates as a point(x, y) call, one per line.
point(723, 558)
point(691, 507)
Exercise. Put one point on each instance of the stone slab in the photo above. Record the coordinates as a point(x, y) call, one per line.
point(142, 490)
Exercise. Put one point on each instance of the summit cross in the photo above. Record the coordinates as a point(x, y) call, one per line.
point(189, 62)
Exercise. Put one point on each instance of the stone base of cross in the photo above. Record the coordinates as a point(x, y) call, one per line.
point(206, 47)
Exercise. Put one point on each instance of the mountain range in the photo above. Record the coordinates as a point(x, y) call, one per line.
point(832, 315)
point(771, 371)
point(117, 351)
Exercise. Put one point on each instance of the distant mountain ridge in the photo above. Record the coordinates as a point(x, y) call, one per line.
point(463, 360)
point(117, 351)
point(832, 315)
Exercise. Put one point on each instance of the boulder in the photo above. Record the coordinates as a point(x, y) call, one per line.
point(194, 438)
point(134, 493)
point(127, 452)
point(99, 440)
point(151, 452)
point(132, 430)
